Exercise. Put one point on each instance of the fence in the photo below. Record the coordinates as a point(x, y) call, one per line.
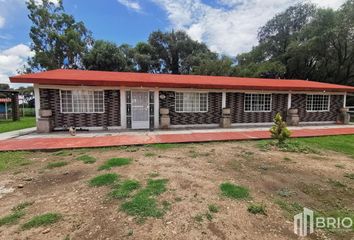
point(24, 112)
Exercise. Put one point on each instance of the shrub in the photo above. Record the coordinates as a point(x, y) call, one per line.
point(279, 130)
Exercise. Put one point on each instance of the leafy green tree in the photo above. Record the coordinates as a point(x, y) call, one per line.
point(4, 86)
point(217, 67)
point(57, 39)
point(146, 58)
point(177, 53)
point(105, 56)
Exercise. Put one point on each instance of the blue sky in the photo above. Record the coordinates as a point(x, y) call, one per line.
point(226, 26)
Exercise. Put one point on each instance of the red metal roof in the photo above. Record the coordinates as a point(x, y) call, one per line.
point(129, 79)
point(5, 100)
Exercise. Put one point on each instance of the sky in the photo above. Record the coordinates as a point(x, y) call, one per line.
point(226, 26)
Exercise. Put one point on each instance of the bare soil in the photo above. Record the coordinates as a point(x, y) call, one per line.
point(194, 173)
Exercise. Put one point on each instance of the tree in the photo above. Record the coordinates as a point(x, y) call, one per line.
point(146, 58)
point(4, 86)
point(105, 56)
point(177, 53)
point(57, 39)
point(218, 67)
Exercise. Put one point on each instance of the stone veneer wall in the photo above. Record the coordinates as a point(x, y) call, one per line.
point(212, 116)
point(50, 99)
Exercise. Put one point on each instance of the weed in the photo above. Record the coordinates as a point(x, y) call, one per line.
point(154, 174)
point(213, 208)
point(9, 160)
point(164, 146)
point(233, 191)
point(56, 164)
point(198, 218)
point(115, 162)
point(336, 183)
point(124, 189)
point(349, 175)
point(104, 179)
point(86, 159)
point(257, 209)
point(209, 216)
point(21, 206)
point(149, 154)
point(291, 208)
point(285, 192)
point(42, 220)
point(340, 166)
point(63, 153)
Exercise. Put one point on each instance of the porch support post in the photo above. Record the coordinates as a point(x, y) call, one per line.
point(289, 100)
point(223, 104)
point(37, 100)
point(156, 108)
point(15, 107)
point(6, 110)
point(345, 100)
point(123, 108)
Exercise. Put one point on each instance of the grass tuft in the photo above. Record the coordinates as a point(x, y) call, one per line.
point(115, 162)
point(9, 160)
point(213, 208)
point(149, 154)
point(42, 220)
point(104, 179)
point(349, 175)
point(56, 164)
point(233, 191)
point(11, 218)
point(124, 189)
point(63, 153)
point(257, 209)
point(21, 206)
point(164, 146)
point(87, 159)
point(144, 204)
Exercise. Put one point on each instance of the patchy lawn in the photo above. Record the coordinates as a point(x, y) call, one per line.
point(229, 190)
point(24, 122)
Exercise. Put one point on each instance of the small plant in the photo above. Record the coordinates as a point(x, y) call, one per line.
point(213, 208)
point(279, 130)
point(21, 206)
point(198, 218)
point(115, 162)
point(349, 175)
point(124, 189)
point(86, 159)
point(154, 174)
point(285, 192)
point(233, 191)
point(209, 216)
point(63, 153)
point(149, 154)
point(340, 166)
point(257, 209)
point(104, 179)
point(56, 164)
point(42, 220)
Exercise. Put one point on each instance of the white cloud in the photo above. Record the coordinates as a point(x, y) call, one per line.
point(131, 4)
point(230, 27)
point(13, 59)
point(2, 22)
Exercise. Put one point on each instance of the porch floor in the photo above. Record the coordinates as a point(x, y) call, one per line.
point(61, 140)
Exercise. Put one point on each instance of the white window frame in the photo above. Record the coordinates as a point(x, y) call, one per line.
point(328, 103)
point(72, 101)
point(188, 92)
point(253, 94)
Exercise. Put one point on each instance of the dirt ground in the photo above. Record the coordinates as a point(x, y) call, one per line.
point(194, 173)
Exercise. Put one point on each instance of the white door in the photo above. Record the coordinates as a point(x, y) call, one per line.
point(140, 110)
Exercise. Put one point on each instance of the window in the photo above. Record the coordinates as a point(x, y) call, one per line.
point(258, 102)
point(317, 103)
point(82, 101)
point(191, 102)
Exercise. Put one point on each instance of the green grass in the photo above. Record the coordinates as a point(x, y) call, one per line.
point(104, 179)
point(343, 144)
point(213, 208)
point(164, 146)
point(124, 189)
point(86, 159)
point(257, 208)
point(11, 218)
point(290, 208)
point(233, 191)
point(291, 145)
point(144, 203)
point(42, 220)
point(56, 164)
point(24, 122)
point(115, 162)
point(10, 160)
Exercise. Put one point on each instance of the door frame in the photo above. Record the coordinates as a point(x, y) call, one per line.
point(143, 126)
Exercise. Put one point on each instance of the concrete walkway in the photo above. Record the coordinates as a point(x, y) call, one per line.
point(52, 142)
point(17, 133)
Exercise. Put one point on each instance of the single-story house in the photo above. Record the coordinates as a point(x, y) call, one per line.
point(4, 102)
point(98, 99)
